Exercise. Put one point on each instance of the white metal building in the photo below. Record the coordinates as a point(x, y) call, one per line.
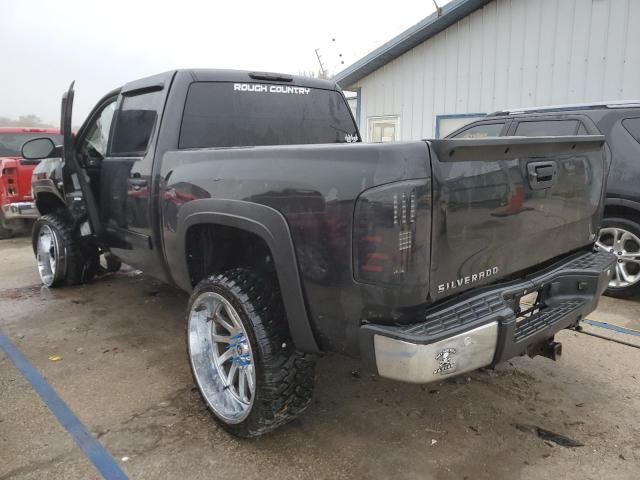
point(479, 56)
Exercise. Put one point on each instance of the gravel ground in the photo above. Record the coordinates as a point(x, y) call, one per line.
point(124, 373)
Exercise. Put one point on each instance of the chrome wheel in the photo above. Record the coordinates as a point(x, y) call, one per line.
point(48, 255)
point(626, 246)
point(221, 357)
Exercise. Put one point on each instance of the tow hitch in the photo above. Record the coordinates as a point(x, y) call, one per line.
point(549, 348)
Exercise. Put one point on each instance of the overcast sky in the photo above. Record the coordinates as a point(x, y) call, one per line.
point(102, 45)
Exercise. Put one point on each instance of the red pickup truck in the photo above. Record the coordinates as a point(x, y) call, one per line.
point(16, 203)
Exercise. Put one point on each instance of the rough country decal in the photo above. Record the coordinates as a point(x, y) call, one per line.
point(261, 88)
point(474, 277)
point(446, 361)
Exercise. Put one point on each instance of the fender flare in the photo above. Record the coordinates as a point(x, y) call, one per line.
point(268, 224)
point(622, 202)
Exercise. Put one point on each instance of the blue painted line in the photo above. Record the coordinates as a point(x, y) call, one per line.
point(615, 328)
point(104, 463)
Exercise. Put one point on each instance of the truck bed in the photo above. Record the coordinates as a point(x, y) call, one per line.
point(480, 220)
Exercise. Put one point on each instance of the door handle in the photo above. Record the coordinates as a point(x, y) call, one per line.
point(542, 175)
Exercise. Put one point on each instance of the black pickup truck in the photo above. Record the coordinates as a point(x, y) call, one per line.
point(253, 192)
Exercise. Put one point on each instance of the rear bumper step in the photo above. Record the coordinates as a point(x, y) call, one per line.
point(484, 329)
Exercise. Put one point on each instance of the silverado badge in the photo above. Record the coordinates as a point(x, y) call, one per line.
point(446, 361)
point(468, 279)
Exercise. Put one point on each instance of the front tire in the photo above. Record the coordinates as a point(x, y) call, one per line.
point(242, 358)
point(621, 236)
point(60, 258)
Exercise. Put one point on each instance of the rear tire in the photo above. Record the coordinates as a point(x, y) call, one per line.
point(622, 236)
point(240, 311)
point(59, 255)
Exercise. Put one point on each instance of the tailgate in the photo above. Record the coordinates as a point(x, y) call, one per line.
point(504, 205)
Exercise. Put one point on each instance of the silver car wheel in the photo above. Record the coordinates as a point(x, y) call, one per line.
point(221, 357)
point(626, 246)
point(48, 255)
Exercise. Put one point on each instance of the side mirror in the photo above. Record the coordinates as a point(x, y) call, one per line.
point(38, 148)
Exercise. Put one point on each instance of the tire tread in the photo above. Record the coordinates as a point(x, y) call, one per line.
point(79, 268)
point(288, 375)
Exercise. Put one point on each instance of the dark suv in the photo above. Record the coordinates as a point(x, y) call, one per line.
point(620, 123)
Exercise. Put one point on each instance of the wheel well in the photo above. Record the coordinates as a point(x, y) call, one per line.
point(622, 211)
point(212, 248)
point(47, 202)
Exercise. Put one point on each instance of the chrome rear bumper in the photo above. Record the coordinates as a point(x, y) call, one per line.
point(483, 329)
point(20, 210)
point(414, 363)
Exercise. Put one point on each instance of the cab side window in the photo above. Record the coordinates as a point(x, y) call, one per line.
point(546, 128)
point(93, 147)
point(483, 130)
point(134, 124)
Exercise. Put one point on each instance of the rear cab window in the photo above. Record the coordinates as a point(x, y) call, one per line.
point(483, 130)
point(227, 114)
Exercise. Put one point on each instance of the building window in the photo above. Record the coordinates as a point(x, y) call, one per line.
point(446, 124)
point(384, 129)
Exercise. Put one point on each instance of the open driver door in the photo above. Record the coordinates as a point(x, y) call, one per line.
point(78, 195)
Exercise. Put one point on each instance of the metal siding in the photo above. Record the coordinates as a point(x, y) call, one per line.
point(579, 52)
point(509, 54)
point(631, 68)
point(547, 42)
point(562, 53)
point(462, 68)
point(596, 64)
point(490, 40)
point(440, 81)
point(407, 92)
point(428, 104)
point(475, 62)
point(517, 29)
point(450, 59)
point(448, 15)
point(503, 44)
point(530, 53)
point(417, 99)
point(616, 48)
point(398, 84)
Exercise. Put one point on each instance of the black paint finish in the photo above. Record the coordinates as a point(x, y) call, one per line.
point(622, 148)
point(450, 209)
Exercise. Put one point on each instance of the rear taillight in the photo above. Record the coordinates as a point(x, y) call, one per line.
point(10, 181)
point(391, 233)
